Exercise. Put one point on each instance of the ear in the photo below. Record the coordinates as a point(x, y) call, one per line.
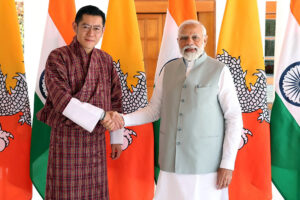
point(74, 26)
point(205, 40)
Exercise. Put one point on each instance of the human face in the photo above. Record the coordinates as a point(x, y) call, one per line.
point(191, 41)
point(88, 31)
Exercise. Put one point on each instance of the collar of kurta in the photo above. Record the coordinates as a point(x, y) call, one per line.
point(78, 49)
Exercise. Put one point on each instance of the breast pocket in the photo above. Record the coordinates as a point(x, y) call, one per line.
point(205, 93)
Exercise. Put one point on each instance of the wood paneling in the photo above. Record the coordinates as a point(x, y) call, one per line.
point(271, 10)
point(209, 21)
point(151, 28)
point(157, 6)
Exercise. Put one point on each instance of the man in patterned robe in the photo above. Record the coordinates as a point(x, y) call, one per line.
point(83, 90)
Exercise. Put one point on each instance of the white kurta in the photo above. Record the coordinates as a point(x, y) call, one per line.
point(173, 186)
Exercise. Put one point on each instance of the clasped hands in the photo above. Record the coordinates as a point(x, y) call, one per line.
point(113, 121)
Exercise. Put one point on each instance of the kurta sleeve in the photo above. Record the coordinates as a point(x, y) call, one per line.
point(59, 93)
point(151, 112)
point(233, 119)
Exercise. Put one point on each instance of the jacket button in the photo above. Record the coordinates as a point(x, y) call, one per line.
point(180, 114)
point(182, 100)
point(179, 129)
point(184, 86)
point(177, 143)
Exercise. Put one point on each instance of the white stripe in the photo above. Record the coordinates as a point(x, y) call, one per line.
point(169, 47)
point(282, 13)
point(52, 40)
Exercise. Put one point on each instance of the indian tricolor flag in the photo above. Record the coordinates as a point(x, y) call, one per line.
point(178, 11)
point(15, 121)
point(58, 33)
point(240, 48)
point(285, 118)
point(131, 177)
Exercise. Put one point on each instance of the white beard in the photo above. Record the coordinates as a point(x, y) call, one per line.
point(190, 56)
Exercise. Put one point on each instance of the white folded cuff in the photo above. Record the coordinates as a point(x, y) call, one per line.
point(227, 164)
point(116, 137)
point(84, 114)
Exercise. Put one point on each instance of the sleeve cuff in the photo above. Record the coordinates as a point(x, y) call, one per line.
point(227, 164)
point(84, 114)
point(116, 137)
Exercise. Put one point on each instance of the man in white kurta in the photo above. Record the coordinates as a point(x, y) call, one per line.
point(181, 178)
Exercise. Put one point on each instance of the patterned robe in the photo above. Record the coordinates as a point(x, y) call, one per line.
point(77, 158)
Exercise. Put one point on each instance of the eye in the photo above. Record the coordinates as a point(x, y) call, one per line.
point(85, 26)
point(183, 38)
point(98, 29)
point(196, 38)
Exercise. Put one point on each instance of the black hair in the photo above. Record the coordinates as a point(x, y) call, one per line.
point(89, 10)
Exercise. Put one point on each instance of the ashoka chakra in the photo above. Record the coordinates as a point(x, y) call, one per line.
point(289, 84)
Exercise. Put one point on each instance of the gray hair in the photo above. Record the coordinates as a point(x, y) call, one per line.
point(192, 21)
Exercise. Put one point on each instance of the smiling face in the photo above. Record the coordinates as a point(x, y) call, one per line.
point(191, 41)
point(88, 31)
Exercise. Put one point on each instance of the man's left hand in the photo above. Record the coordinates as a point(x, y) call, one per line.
point(116, 150)
point(224, 178)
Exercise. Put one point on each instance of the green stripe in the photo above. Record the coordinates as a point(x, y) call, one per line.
point(40, 140)
point(156, 125)
point(285, 141)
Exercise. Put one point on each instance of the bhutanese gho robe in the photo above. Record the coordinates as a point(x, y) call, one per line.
point(83, 84)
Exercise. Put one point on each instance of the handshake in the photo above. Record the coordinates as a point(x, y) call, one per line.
point(112, 121)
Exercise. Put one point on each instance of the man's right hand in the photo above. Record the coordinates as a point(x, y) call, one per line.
point(113, 121)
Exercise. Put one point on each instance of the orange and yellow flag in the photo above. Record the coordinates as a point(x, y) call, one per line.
point(131, 177)
point(240, 48)
point(15, 120)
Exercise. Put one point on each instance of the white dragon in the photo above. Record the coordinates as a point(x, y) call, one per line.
point(250, 100)
point(132, 101)
point(12, 103)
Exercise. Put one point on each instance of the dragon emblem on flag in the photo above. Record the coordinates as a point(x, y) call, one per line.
point(4, 139)
point(251, 99)
point(12, 103)
point(132, 100)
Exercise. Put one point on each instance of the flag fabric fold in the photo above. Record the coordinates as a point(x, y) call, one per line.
point(15, 120)
point(58, 32)
point(240, 48)
point(132, 175)
point(285, 117)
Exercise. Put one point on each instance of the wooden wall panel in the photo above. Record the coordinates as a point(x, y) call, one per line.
point(208, 19)
point(151, 28)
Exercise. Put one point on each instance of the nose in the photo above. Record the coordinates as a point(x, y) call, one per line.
point(190, 41)
point(91, 31)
